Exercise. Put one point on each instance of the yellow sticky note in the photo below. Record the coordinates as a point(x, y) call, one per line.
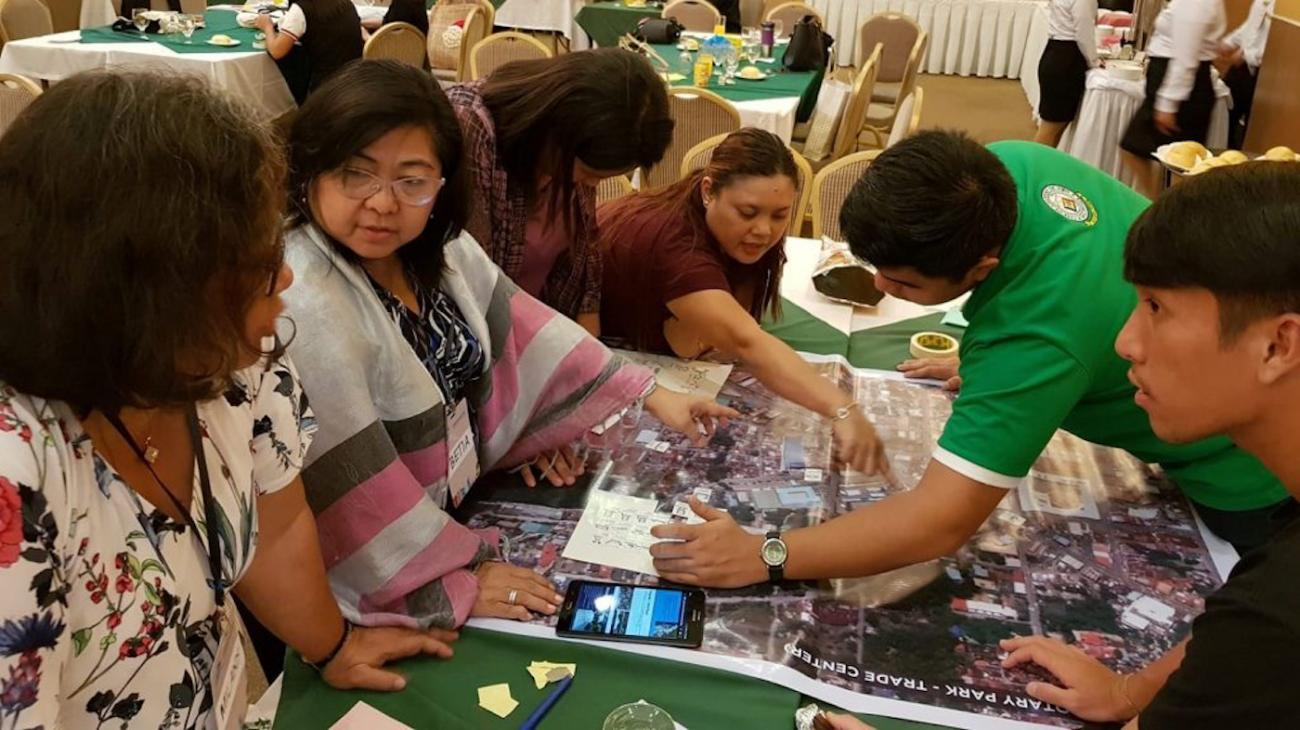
point(496, 699)
point(539, 670)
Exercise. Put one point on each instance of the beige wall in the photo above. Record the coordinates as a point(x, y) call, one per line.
point(1275, 116)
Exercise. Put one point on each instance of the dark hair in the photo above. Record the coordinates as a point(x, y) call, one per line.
point(606, 107)
point(360, 103)
point(936, 202)
point(747, 152)
point(139, 222)
point(1234, 231)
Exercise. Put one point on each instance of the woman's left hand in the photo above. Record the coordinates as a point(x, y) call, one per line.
point(689, 414)
point(359, 664)
point(1167, 123)
point(561, 467)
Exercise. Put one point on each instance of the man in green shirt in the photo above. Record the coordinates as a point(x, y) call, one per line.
point(1037, 237)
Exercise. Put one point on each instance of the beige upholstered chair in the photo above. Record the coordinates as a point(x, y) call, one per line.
point(450, 63)
point(499, 49)
point(16, 92)
point(399, 42)
point(791, 13)
point(21, 19)
point(831, 187)
point(698, 157)
point(751, 13)
point(693, 15)
point(855, 110)
point(897, 33)
point(908, 119)
point(65, 14)
point(697, 115)
point(882, 111)
point(613, 188)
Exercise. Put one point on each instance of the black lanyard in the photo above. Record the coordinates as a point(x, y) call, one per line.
point(205, 487)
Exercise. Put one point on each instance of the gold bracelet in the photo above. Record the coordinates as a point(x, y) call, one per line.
point(1123, 693)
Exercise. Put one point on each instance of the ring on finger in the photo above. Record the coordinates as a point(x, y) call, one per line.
point(513, 597)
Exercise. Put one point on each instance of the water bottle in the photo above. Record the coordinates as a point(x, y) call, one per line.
point(768, 39)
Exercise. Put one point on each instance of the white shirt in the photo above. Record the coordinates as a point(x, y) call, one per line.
point(1075, 20)
point(1252, 35)
point(1187, 32)
point(294, 22)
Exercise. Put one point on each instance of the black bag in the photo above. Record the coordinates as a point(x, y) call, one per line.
point(659, 30)
point(810, 46)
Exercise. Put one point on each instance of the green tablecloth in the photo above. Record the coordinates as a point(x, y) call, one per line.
point(606, 22)
point(882, 348)
point(218, 21)
point(803, 84)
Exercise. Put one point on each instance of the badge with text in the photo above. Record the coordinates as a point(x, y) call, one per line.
point(1070, 205)
point(229, 673)
point(462, 457)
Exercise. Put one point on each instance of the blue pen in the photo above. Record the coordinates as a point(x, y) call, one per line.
point(535, 719)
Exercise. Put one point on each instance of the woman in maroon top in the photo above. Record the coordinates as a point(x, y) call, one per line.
point(690, 269)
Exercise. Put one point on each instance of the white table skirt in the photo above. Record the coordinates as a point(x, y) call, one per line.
point(967, 37)
point(556, 16)
point(1108, 106)
point(1035, 44)
point(252, 77)
point(773, 115)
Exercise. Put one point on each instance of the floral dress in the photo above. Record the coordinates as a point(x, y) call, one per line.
point(107, 617)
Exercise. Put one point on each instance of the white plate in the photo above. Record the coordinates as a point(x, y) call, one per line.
point(1162, 154)
point(233, 42)
point(764, 77)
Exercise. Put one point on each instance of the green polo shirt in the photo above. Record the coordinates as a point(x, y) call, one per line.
point(1039, 352)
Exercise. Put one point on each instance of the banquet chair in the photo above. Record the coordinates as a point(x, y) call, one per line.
point(21, 19)
point(499, 49)
point(831, 188)
point(751, 13)
point(451, 63)
point(399, 42)
point(697, 115)
point(882, 110)
point(694, 15)
point(908, 119)
point(16, 92)
point(855, 110)
point(613, 188)
point(698, 158)
point(899, 36)
point(791, 13)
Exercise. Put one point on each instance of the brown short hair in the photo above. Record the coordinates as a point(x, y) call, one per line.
point(140, 217)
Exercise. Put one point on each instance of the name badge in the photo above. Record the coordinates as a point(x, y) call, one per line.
point(462, 456)
point(229, 673)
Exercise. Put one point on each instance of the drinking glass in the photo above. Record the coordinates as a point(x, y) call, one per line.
point(730, 65)
point(139, 20)
point(778, 27)
point(187, 27)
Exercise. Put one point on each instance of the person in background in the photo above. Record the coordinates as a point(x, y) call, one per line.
point(1240, 56)
point(1036, 237)
point(152, 408)
point(411, 12)
point(425, 363)
point(1214, 346)
point(1179, 94)
point(335, 36)
point(690, 270)
point(539, 136)
point(1063, 69)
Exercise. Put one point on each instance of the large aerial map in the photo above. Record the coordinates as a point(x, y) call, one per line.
point(1093, 548)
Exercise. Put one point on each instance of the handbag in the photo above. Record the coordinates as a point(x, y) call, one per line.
point(659, 30)
point(810, 46)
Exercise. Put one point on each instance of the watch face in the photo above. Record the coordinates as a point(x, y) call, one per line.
point(774, 552)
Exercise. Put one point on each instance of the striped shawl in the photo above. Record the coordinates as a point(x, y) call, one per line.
point(376, 474)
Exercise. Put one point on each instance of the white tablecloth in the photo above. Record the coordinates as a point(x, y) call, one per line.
point(556, 16)
point(774, 115)
point(967, 37)
point(1035, 44)
point(252, 77)
point(1108, 105)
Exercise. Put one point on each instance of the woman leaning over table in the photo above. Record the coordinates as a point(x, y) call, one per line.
point(690, 269)
point(425, 363)
point(539, 136)
point(140, 237)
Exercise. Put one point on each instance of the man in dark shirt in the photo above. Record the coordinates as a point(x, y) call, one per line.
point(1214, 347)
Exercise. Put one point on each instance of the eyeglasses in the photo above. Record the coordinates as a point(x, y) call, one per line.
point(362, 185)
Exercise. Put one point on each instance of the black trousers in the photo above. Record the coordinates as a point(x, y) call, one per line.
point(1241, 82)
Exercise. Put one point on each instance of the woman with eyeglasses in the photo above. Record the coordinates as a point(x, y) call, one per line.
point(427, 365)
point(150, 436)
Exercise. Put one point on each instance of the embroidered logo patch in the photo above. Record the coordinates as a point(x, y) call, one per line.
point(1070, 205)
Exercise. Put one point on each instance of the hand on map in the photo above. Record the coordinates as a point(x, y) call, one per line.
point(691, 415)
point(839, 722)
point(943, 369)
point(858, 446)
point(358, 663)
point(717, 553)
point(498, 583)
point(1090, 690)
point(561, 467)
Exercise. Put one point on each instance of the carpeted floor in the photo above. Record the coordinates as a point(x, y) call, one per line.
point(987, 109)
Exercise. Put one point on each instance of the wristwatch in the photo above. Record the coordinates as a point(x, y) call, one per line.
point(774, 554)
